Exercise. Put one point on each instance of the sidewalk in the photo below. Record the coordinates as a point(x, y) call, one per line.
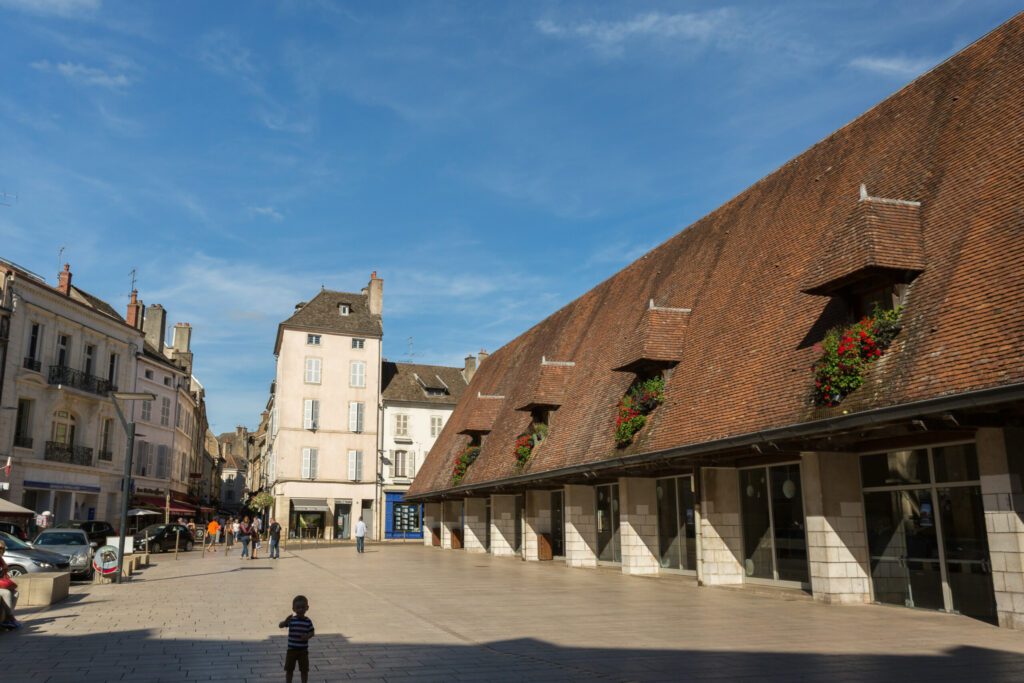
point(407, 613)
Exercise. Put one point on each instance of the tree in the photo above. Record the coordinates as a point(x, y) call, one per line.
point(261, 501)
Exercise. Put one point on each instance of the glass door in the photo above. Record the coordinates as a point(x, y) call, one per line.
point(608, 542)
point(557, 524)
point(519, 525)
point(774, 534)
point(487, 527)
point(904, 548)
point(677, 537)
point(965, 543)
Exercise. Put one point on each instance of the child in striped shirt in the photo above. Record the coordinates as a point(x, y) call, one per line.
point(300, 630)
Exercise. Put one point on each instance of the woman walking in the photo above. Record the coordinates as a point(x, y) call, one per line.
point(244, 531)
point(254, 534)
point(229, 534)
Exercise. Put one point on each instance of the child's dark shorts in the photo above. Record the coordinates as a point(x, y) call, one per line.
point(293, 656)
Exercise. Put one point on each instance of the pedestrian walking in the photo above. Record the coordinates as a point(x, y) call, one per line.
point(243, 535)
point(8, 594)
point(300, 630)
point(254, 535)
point(274, 533)
point(229, 535)
point(212, 529)
point(360, 536)
point(235, 527)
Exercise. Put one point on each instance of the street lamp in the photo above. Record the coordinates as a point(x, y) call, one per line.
point(129, 430)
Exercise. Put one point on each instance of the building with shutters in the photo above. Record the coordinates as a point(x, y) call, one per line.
point(817, 388)
point(323, 438)
point(417, 401)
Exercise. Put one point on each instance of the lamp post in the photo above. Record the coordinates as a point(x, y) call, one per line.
point(126, 484)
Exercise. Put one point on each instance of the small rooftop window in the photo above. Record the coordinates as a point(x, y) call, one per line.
point(344, 309)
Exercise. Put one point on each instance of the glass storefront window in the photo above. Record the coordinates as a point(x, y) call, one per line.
point(894, 469)
point(788, 520)
point(956, 463)
point(757, 525)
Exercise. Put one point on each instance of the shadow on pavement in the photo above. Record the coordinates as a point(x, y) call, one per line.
point(140, 655)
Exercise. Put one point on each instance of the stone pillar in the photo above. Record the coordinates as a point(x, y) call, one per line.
point(1001, 465)
point(721, 535)
point(475, 520)
point(638, 525)
point(503, 525)
point(451, 523)
point(538, 521)
point(837, 544)
point(431, 522)
point(580, 526)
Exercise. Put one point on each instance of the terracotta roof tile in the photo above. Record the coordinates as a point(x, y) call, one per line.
point(409, 382)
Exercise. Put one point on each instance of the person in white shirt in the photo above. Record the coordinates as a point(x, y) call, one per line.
point(360, 535)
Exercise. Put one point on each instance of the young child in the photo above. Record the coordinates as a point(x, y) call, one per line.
point(300, 630)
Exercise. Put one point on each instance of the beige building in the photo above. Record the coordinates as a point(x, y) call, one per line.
point(323, 439)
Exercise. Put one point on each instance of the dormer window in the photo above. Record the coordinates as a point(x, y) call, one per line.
point(344, 309)
point(313, 339)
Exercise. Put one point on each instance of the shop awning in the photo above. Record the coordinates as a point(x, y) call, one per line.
point(310, 505)
point(178, 507)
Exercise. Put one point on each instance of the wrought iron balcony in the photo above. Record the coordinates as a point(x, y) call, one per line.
point(32, 364)
point(79, 380)
point(73, 455)
point(21, 441)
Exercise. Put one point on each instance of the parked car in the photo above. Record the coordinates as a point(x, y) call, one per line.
point(98, 532)
point(21, 558)
point(72, 543)
point(14, 530)
point(162, 537)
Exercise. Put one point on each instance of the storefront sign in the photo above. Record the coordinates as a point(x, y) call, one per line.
point(53, 486)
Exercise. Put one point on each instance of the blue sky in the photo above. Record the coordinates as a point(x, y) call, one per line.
point(492, 161)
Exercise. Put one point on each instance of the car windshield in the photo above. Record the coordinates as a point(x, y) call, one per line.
point(13, 543)
point(60, 538)
point(151, 530)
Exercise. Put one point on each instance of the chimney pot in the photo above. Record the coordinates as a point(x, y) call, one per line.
point(134, 316)
point(64, 280)
point(375, 296)
point(155, 326)
point(470, 368)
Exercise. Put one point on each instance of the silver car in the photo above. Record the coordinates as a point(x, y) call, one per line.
point(73, 544)
point(21, 558)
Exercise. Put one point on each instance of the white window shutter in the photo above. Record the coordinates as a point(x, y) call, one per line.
point(316, 370)
point(359, 466)
point(305, 463)
point(359, 416)
point(410, 469)
point(313, 452)
point(353, 417)
point(307, 413)
point(352, 465)
point(316, 413)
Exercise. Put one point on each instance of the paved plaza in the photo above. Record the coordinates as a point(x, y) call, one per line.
point(413, 613)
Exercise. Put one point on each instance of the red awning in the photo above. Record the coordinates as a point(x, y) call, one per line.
point(178, 507)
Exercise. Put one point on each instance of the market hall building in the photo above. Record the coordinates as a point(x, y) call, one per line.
point(819, 386)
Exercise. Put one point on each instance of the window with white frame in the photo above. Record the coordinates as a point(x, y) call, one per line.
point(436, 423)
point(358, 343)
point(344, 309)
point(312, 371)
point(147, 411)
point(403, 464)
point(356, 409)
point(270, 467)
point(313, 339)
point(401, 424)
point(310, 413)
point(355, 465)
point(309, 463)
point(165, 411)
point(357, 374)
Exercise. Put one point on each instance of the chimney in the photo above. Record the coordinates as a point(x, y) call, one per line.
point(481, 357)
point(470, 368)
point(182, 341)
point(135, 308)
point(64, 280)
point(376, 294)
point(155, 326)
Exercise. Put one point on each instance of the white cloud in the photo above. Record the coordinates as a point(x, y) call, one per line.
point(84, 75)
point(57, 8)
point(611, 37)
point(900, 67)
point(266, 212)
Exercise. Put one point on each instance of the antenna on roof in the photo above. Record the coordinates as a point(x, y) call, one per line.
point(132, 273)
point(5, 198)
point(410, 354)
point(60, 257)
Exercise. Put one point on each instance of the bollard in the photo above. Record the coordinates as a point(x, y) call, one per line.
point(177, 537)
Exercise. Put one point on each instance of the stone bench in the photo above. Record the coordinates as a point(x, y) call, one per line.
point(42, 588)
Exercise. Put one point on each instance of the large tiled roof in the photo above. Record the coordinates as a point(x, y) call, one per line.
point(409, 382)
point(321, 315)
point(951, 140)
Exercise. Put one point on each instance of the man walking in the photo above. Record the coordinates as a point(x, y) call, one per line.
point(360, 535)
point(274, 531)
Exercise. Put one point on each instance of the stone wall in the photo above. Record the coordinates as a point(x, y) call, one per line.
point(721, 536)
point(431, 521)
point(638, 525)
point(837, 545)
point(1001, 464)
point(503, 525)
point(475, 518)
point(537, 516)
point(580, 527)
point(451, 522)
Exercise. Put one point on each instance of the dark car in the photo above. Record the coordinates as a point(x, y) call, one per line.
point(14, 530)
point(157, 538)
point(98, 532)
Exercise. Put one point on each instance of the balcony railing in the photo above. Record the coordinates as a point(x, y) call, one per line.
point(22, 441)
point(73, 455)
point(79, 380)
point(32, 364)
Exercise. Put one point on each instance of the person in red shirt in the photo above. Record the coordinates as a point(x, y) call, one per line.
point(212, 529)
point(8, 592)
